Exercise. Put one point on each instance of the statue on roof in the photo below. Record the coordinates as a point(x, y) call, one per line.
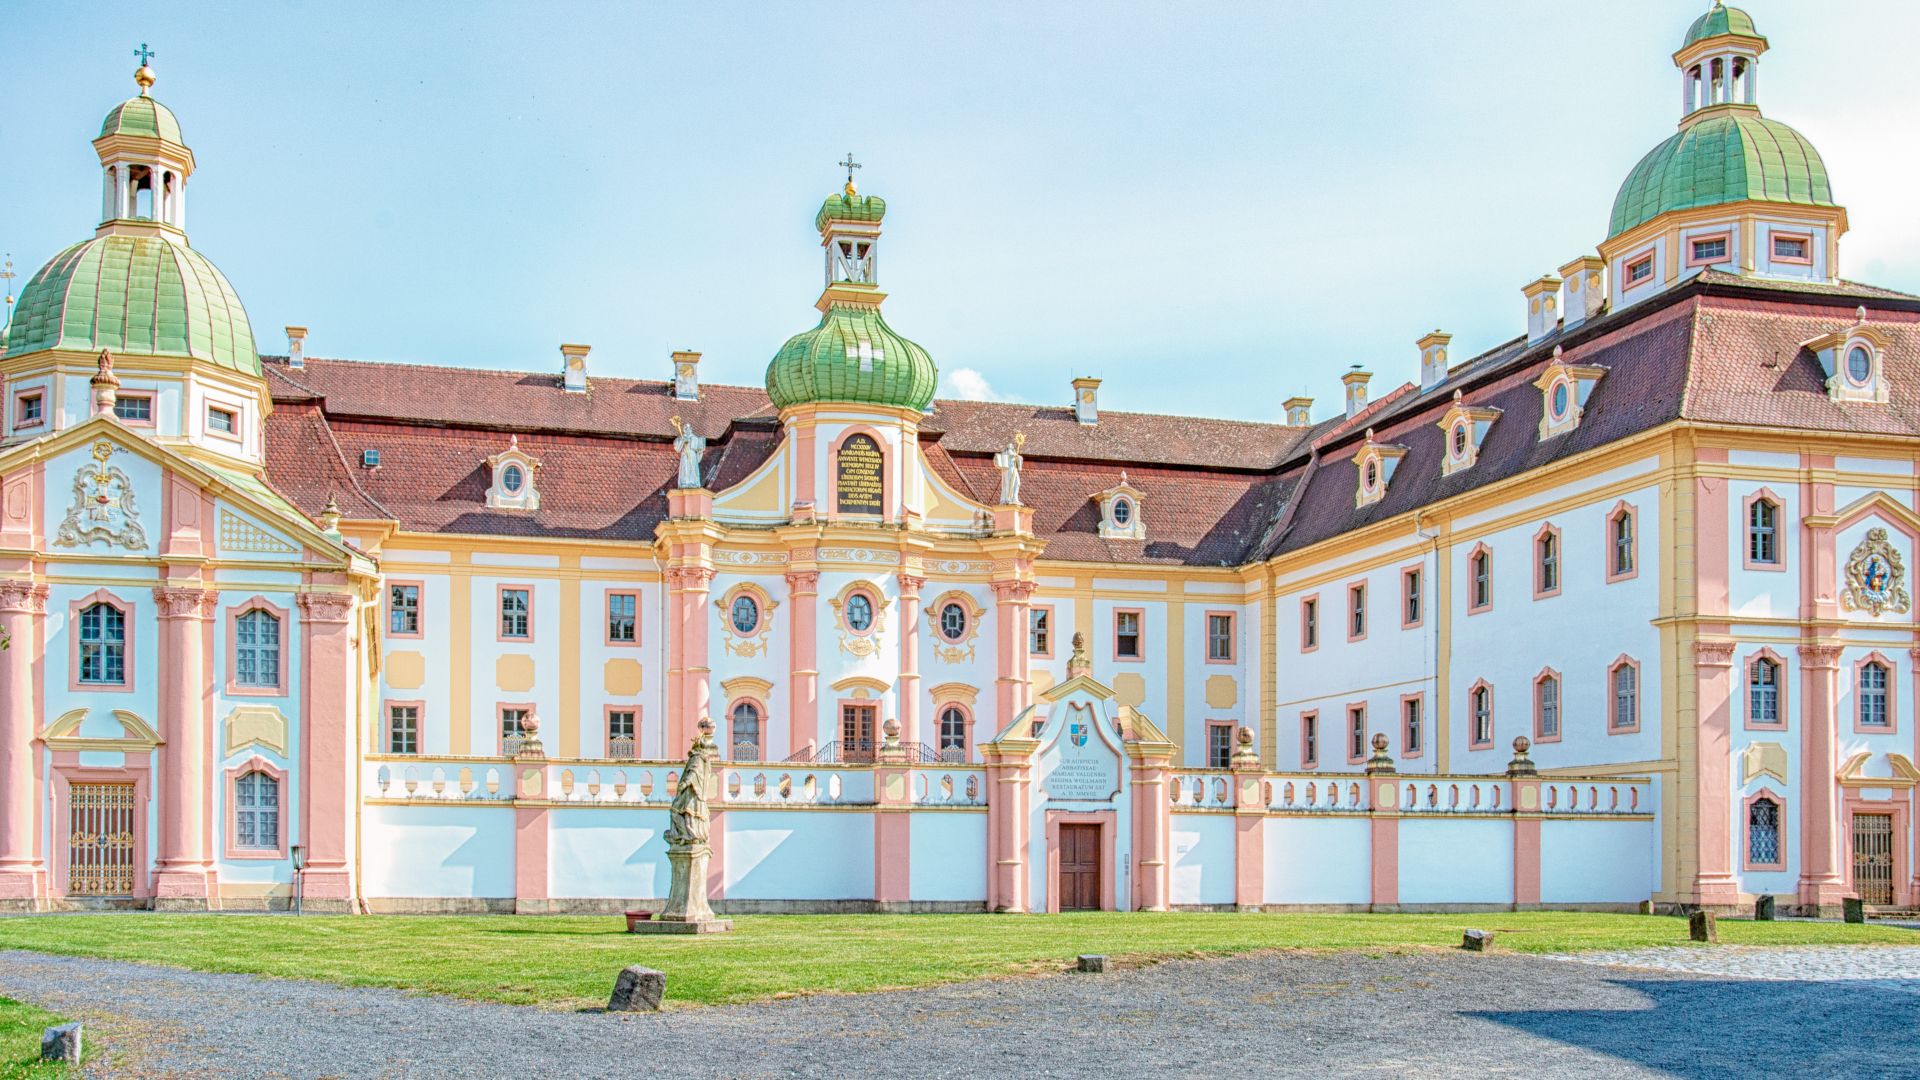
point(689, 446)
point(1008, 461)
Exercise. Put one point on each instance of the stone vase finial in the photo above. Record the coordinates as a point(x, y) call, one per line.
point(1244, 755)
point(1078, 663)
point(1521, 765)
point(1380, 764)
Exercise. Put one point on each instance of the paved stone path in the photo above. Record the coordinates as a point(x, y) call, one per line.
point(1280, 1014)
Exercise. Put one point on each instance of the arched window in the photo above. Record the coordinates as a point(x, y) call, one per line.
point(1873, 695)
point(953, 622)
point(1482, 703)
point(1626, 696)
point(256, 811)
point(1547, 547)
point(103, 645)
point(1763, 691)
point(746, 732)
point(1763, 833)
point(1621, 555)
point(953, 734)
point(1480, 569)
point(1547, 707)
point(1763, 532)
point(256, 649)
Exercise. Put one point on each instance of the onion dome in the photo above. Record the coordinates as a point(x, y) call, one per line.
point(1733, 156)
point(850, 206)
point(136, 295)
point(852, 356)
point(1720, 21)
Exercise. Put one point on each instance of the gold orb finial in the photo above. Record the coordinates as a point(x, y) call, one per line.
point(144, 76)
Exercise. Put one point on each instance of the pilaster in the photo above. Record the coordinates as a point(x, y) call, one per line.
point(908, 706)
point(1009, 763)
point(1822, 886)
point(327, 727)
point(1249, 826)
point(184, 877)
point(893, 822)
point(1152, 823)
point(23, 616)
point(803, 708)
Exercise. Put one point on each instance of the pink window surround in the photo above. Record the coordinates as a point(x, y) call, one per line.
point(1474, 741)
point(1631, 263)
point(1356, 613)
point(499, 607)
point(257, 764)
point(1726, 255)
point(1310, 623)
point(67, 771)
point(500, 722)
point(606, 624)
point(1310, 740)
point(1639, 696)
point(873, 604)
point(760, 713)
point(1779, 564)
point(1746, 830)
point(1412, 588)
point(1355, 715)
point(239, 421)
point(419, 708)
point(1780, 688)
point(1540, 734)
point(1233, 635)
point(1632, 516)
point(1140, 638)
point(1892, 725)
point(1409, 748)
point(889, 490)
point(151, 404)
point(1053, 629)
point(1773, 247)
point(32, 393)
point(128, 613)
point(761, 603)
point(1213, 728)
point(966, 728)
point(420, 608)
point(606, 725)
point(1541, 590)
point(1479, 562)
point(256, 603)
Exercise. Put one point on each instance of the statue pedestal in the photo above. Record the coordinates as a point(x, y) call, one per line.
point(687, 911)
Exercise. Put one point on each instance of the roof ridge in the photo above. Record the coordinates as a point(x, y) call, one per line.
point(281, 359)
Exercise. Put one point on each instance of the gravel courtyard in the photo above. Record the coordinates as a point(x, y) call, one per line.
point(1831, 1011)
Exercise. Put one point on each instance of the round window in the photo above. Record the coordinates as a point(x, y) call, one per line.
point(745, 614)
point(1459, 440)
point(1559, 400)
point(512, 478)
point(1859, 364)
point(953, 622)
point(1122, 512)
point(859, 613)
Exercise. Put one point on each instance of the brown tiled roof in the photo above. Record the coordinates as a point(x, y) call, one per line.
point(1750, 367)
point(984, 427)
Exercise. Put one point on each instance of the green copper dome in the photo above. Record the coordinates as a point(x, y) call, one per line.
point(1721, 20)
point(1730, 157)
point(826, 364)
point(134, 295)
point(142, 116)
point(850, 208)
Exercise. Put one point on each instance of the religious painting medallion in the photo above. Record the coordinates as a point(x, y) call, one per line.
point(102, 509)
point(1876, 579)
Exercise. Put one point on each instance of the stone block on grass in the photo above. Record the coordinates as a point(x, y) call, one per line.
point(1853, 909)
point(1091, 964)
point(1477, 940)
point(61, 1043)
point(1763, 909)
point(1702, 926)
point(638, 989)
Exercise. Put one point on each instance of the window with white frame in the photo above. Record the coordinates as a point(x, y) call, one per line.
point(1480, 583)
point(513, 729)
point(1126, 635)
point(403, 729)
point(623, 618)
point(1410, 723)
point(1547, 691)
point(403, 609)
point(516, 611)
point(953, 734)
point(1763, 691)
point(1219, 746)
point(1626, 696)
point(1039, 631)
point(256, 811)
point(1763, 832)
point(1620, 534)
point(1873, 695)
point(1356, 733)
point(1220, 637)
point(1546, 549)
point(1763, 532)
point(103, 645)
point(1410, 597)
point(1357, 611)
point(1481, 701)
point(256, 649)
point(746, 731)
point(621, 733)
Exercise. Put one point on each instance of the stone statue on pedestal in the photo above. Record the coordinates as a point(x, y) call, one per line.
point(689, 446)
point(1009, 462)
point(688, 847)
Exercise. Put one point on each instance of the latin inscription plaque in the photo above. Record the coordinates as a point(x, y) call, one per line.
point(860, 485)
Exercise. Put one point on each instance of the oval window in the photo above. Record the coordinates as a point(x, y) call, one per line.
point(1373, 474)
point(1559, 400)
point(1859, 364)
point(859, 613)
point(1459, 440)
point(953, 622)
point(1122, 512)
point(745, 614)
point(511, 478)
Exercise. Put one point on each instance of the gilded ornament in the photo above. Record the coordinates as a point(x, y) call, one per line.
point(103, 506)
point(1876, 578)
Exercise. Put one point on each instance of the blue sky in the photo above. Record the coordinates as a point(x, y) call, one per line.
point(1213, 207)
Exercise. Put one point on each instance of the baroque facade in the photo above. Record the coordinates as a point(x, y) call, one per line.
point(1611, 612)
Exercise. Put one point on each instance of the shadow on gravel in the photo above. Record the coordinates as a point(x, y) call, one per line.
point(1702, 1028)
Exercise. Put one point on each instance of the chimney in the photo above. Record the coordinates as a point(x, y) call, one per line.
point(1086, 400)
point(1356, 383)
point(1543, 307)
point(1586, 293)
point(573, 367)
point(1299, 411)
point(1433, 358)
point(686, 375)
point(297, 347)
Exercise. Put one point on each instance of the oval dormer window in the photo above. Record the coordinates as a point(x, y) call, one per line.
point(1859, 365)
point(1559, 400)
point(745, 615)
point(1459, 441)
point(512, 479)
point(859, 613)
point(953, 622)
point(1373, 475)
point(1123, 512)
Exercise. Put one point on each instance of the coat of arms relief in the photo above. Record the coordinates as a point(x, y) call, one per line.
point(103, 510)
point(1876, 579)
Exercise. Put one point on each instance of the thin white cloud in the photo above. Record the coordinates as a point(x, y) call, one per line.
point(968, 385)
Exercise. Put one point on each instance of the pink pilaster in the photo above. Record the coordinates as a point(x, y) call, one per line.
point(183, 873)
point(1152, 824)
point(530, 888)
point(689, 587)
point(1714, 884)
point(1384, 833)
point(1249, 831)
point(803, 711)
point(908, 708)
point(23, 612)
point(327, 752)
point(1012, 599)
point(1008, 776)
point(1526, 844)
point(892, 829)
point(1822, 886)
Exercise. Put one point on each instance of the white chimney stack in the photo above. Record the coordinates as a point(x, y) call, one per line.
point(1086, 400)
point(1433, 358)
point(297, 347)
point(573, 367)
point(1299, 411)
point(1356, 383)
point(686, 375)
point(1586, 289)
point(1543, 307)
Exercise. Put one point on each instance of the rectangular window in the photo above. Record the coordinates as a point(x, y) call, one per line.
point(621, 734)
point(1480, 708)
point(1480, 584)
point(1763, 833)
point(1626, 697)
point(256, 811)
point(1356, 611)
point(513, 730)
point(134, 408)
point(1763, 533)
point(1126, 635)
point(1546, 578)
point(1219, 745)
point(1220, 637)
point(28, 410)
point(1356, 734)
point(103, 645)
point(1309, 740)
point(1620, 562)
point(1410, 597)
point(1040, 631)
point(403, 729)
point(403, 610)
point(221, 420)
point(1640, 269)
point(1410, 726)
point(1707, 250)
point(623, 618)
point(256, 649)
point(1309, 624)
point(1793, 249)
point(856, 733)
point(516, 614)
point(1547, 709)
point(1873, 695)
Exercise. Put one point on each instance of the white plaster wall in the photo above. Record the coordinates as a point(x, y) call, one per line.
point(1201, 871)
point(836, 663)
point(1456, 861)
point(434, 645)
point(142, 696)
point(438, 851)
point(1586, 862)
point(949, 856)
point(485, 693)
point(607, 853)
point(1318, 861)
point(1763, 257)
point(799, 855)
point(288, 705)
point(1199, 670)
point(979, 671)
point(772, 661)
point(1758, 593)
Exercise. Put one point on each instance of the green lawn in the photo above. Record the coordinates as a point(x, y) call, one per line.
point(571, 961)
point(20, 1028)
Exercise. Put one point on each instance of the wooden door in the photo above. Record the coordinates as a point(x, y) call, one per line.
point(856, 733)
point(100, 840)
point(1079, 868)
point(1873, 858)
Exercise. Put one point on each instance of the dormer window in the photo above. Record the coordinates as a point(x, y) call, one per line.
point(1465, 426)
point(222, 421)
point(1120, 512)
point(1377, 462)
point(1859, 365)
point(1708, 250)
point(513, 479)
point(1853, 361)
point(1793, 248)
point(1639, 270)
point(1564, 390)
